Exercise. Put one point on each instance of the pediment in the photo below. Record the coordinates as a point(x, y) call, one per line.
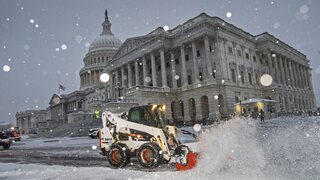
point(132, 43)
point(55, 99)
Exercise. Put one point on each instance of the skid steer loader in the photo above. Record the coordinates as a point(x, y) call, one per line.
point(143, 133)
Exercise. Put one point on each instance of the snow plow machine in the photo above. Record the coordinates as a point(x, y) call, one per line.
point(143, 134)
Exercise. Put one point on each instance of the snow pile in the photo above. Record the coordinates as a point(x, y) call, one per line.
point(231, 149)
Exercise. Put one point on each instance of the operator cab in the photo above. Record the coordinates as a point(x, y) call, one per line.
point(149, 115)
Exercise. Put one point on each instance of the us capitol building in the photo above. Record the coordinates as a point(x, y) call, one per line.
point(199, 70)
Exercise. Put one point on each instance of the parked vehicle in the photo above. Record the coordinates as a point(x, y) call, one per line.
point(13, 135)
point(4, 141)
point(93, 133)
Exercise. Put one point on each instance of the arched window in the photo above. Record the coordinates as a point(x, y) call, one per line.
point(192, 109)
point(174, 110)
point(204, 107)
point(221, 104)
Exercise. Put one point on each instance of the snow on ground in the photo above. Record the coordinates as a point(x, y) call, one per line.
point(282, 148)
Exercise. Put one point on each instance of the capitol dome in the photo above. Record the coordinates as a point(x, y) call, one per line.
point(100, 52)
point(105, 42)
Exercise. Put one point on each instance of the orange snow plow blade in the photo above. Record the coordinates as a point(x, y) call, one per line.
point(191, 162)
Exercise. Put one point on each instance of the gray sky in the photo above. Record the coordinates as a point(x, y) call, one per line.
point(33, 32)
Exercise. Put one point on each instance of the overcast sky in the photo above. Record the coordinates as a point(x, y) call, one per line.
point(42, 40)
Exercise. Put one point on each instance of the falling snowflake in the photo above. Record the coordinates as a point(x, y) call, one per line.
point(229, 14)
point(276, 25)
point(166, 28)
point(197, 127)
point(117, 15)
point(78, 39)
point(57, 49)
point(6, 68)
point(26, 47)
point(216, 97)
point(266, 80)
point(147, 79)
point(31, 21)
point(94, 147)
point(63, 46)
point(176, 77)
point(7, 19)
point(87, 44)
point(304, 9)
point(36, 25)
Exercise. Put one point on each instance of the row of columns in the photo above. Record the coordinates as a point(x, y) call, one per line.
point(90, 78)
point(153, 63)
point(292, 103)
point(288, 72)
point(72, 106)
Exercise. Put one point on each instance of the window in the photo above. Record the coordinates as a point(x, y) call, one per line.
point(267, 63)
point(95, 60)
point(214, 73)
point(254, 58)
point(261, 62)
point(247, 55)
point(233, 75)
point(230, 49)
point(198, 53)
point(167, 65)
point(187, 57)
point(200, 76)
point(239, 52)
point(189, 79)
point(237, 99)
point(242, 76)
point(159, 68)
point(250, 78)
point(176, 61)
point(210, 48)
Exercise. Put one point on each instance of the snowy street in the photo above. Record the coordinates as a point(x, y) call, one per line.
point(282, 148)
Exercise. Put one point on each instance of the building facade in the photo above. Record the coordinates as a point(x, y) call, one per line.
point(199, 70)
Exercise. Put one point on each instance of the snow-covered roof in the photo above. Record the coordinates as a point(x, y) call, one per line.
point(254, 100)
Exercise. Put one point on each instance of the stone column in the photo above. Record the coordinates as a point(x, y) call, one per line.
point(277, 69)
point(154, 70)
point(144, 70)
point(129, 75)
point(294, 73)
point(163, 69)
point(116, 83)
point(297, 75)
point(291, 73)
point(283, 79)
point(270, 64)
point(208, 57)
point(287, 73)
point(303, 77)
point(183, 77)
point(111, 86)
point(300, 76)
point(195, 63)
point(122, 77)
point(173, 70)
point(306, 77)
point(136, 72)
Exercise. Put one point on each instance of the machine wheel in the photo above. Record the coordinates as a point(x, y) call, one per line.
point(118, 155)
point(6, 146)
point(149, 155)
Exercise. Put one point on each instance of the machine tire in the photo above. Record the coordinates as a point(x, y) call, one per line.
point(149, 155)
point(118, 155)
point(6, 146)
